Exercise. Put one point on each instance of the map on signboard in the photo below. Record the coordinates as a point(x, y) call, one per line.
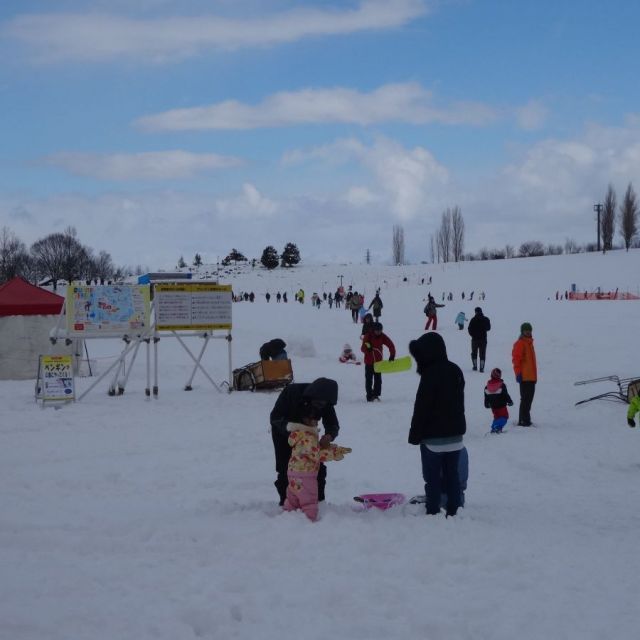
point(107, 309)
point(193, 306)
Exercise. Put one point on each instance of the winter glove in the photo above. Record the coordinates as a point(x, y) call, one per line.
point(631, 422)
point(367, 346)
point(392, 358)
point(519, 378)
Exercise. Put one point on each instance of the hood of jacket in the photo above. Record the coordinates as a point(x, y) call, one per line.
point(324, 389)
point(428, 350)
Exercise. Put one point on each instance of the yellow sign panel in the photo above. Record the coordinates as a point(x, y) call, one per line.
point(57, 378)
point(192, 306)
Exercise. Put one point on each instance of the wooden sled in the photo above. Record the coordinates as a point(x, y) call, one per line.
point(263, 375)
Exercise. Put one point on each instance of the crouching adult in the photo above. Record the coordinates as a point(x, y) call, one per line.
point(295, 402)
point(438, 423)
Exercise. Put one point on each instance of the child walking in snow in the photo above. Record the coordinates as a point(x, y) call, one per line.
point(496, 397)
point(302, 471)
point(348, 356)
point(460, 320)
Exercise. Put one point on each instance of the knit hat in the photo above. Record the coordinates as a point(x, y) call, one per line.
point(525, 326)
point(496, 374)
point(347, 347)
point(478, 310)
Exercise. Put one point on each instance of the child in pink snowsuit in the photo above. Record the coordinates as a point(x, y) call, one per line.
point(302, 472)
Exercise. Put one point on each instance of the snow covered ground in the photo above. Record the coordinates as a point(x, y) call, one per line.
point(127, 517)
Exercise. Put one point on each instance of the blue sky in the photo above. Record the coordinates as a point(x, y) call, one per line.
point(161, 128)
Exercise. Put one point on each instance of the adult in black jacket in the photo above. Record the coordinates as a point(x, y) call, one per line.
point(478, 327)
point(316, 399)
point(438, 421)
point(273, 350)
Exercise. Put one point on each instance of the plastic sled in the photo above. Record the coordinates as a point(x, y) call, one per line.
point(393, 366)
point(381, 501)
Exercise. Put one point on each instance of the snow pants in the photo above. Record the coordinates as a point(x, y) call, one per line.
point(431, 319)
point(302, 493)
point(527, 391)
point(478, 347)
point(441, 475)
point(372, 382)
point(283, 453)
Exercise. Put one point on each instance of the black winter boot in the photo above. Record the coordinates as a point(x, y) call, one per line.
point(481, 365)
point(475, 363)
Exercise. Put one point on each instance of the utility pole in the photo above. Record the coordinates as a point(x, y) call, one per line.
point(598, 209)
point(341, 279)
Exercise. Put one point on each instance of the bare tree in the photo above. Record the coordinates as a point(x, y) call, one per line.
point(571, 246)
point(444, 237)
point(530, 249)
point(103, 267)
point(398, 244)
point(47, 254)
point(629, 216)
point(431, 250)
point(457, 233)
point(608, 220)
point(61, 256)
point(77, 260)
point(509, 251)
point(13, 255)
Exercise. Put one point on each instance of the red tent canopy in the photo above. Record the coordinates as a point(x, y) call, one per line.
point(19, 298)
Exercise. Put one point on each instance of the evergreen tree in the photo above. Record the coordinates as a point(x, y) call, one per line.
point(197, 260)
point(235, 256)
point(290, 255)
point(270, 258)
point(181, 263)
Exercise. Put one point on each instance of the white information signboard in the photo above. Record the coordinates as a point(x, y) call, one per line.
point(56, 378)
point(195, 306)
point(107, 310)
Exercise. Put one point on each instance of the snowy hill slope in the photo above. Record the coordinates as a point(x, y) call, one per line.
point(134, 518)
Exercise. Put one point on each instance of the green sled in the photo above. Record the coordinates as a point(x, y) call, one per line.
point(393, 366)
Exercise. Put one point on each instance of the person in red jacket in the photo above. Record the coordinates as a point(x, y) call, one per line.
point(372, 347)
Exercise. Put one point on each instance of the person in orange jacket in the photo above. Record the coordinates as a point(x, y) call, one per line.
point(523, 356)
point(372, 345)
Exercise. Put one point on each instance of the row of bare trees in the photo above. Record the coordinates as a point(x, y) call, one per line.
point(449, 240)
point(57, 256)
point(627, 217)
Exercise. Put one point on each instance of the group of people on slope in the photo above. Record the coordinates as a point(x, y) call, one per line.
point(437, 426)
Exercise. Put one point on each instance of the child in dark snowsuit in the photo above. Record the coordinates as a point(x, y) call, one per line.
point(496, 397)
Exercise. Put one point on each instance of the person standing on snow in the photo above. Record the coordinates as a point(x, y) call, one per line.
point(496, 398)
point(297, 400)
point(376, 306)
point(525, 368)
point(634, 407)
point(372, 345)
point(431, 311)
point(438, 423)
point(478, 327)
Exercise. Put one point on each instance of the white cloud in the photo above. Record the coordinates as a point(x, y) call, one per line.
point(532, 115)
point(546, 194)
point(401, 102)
point(61, 36)
point(409, 182)
point(151, 165)
point(249, 204)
